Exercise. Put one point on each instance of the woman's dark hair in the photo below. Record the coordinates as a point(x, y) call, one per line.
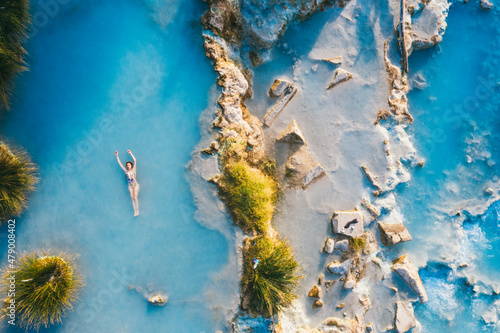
point(130, 164)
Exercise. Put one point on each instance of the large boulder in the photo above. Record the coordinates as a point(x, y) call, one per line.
point(409, 273)
point(393, 233)
point(404, 319)
point(292, 134)
point(349, 223)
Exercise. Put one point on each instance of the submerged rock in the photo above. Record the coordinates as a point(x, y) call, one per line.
point(276, 110)
point(486, 5)
point(278, 88)
point(292, 134)
point(393, 233)
point(348, 223)
point(409, 273)
point(313, 175)
point(340, 76)
point(158, 300)
point(404, 319)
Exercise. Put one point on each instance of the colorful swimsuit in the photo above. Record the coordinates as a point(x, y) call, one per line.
point(131, 178)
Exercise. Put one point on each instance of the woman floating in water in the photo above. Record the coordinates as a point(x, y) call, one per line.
point(133, 185)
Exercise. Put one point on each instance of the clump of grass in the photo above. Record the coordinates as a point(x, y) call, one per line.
point(272, 285)
point(14, 18)
point(17, 179)
point(357, 244)
point(250, 196)
point(46, 286)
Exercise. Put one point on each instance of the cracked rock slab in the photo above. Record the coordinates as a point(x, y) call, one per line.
point(350, 223)
point(393, 233)
point(404, 319)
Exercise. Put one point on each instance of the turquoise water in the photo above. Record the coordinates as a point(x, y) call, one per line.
point(108, 76)
point(456, 129)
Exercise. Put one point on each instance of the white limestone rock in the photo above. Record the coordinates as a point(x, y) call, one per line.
point(409, 273)
point(278, 88)
point(349, 223)
point(313, 175)
point(340, 268)
point(404, 319)
point(292, 134)
point(342, 245)
point(393, 233)
point(340, 76)
point(329, 245)
point(334, 60)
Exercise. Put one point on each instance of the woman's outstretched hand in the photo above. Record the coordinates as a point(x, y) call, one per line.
point(116, 153)
point(128, 151)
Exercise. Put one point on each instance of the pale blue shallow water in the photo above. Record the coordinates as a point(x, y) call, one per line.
point(108, 76)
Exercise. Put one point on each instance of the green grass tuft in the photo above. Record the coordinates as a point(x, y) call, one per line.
point(17, 179)
point(357, 244)
point(250, 196)
point(46, 286)
point(272, 286)
point(14, 18)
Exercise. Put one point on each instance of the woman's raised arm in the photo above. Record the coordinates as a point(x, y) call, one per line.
point(119, 162)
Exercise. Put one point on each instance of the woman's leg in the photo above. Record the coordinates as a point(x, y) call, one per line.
point(136, 198)
point(131, 190)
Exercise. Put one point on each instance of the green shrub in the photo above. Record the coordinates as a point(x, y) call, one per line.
point(14, 17)
point(272, 286)
point(17, 179)
point(46, 286)
point(250, 196)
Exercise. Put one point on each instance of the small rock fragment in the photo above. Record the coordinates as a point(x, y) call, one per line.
point(370, 328)
point(158, 300)
point(315, 292)
point(334, 60)
point(291, 134)
point(314, 67)
point(339, 77)
point(489, 191)
point(394, 289)
point(317, 304)
point(329, 245)
point(349, 283)
point(341, 305)
point(370, 208)
point(328, 284)
point(321, 279)
point(404, 319)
